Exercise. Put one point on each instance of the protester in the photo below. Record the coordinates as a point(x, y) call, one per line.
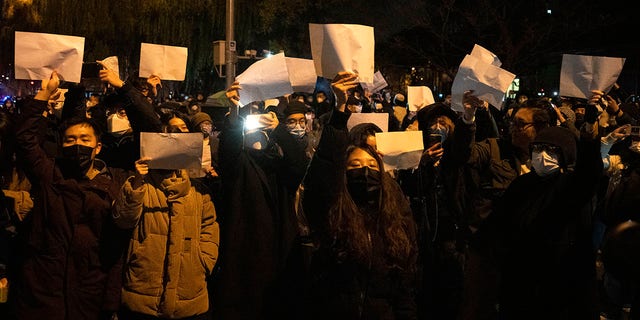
point(69, 263)
point(261, 168)
point(173, 246)
point(364, 265)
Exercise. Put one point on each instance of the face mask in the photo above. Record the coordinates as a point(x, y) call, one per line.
point(76, 159)
point(358, 108)
point(635, 146)
point(544, 163)
point(298, 131)
point(441, 130)
point(363, 185)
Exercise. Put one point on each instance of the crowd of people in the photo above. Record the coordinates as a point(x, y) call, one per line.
point(526, 210)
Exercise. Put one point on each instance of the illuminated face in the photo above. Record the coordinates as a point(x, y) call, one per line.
point(296, 119)
point(178, 123)
point(82, 134)
point(360, 158)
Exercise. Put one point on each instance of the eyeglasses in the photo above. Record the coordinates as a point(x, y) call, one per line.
point(539, 147)
point(293, 122)
point(519, 124)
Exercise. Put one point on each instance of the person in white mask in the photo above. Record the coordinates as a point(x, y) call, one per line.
point(541, 229)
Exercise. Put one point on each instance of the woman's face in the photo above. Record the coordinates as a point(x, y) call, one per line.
point(178, 123)
point(360, 158)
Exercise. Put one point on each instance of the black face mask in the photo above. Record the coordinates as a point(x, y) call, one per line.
point(76, 160)
point(363, 185)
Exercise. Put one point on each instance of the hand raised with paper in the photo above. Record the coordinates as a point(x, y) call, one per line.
point(341, 84)
point(109, 76)
point(49, 88)
point(233, 93)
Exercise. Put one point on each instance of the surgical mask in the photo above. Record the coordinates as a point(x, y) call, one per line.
point(298, 131)
point(635, 146)
point(76, 160)
point(358, 108)
point(363, 185)
point(544, 163)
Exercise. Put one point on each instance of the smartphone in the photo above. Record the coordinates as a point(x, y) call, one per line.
point(252, 122)
point(90, 70)
point(635, 131)
point(435, 138)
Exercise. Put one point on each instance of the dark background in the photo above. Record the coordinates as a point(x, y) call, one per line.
point(432, 37)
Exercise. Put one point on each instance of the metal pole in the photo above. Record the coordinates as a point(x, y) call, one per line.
point(230, 71)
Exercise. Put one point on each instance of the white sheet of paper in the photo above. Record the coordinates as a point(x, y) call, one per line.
point(172, 150)
point(37, 55)
point(302, 74)
point(265, 79)
point(167, 62)
point(485, 55)
point(580, 74)
point(378, 84)
point(112, 64)
point(343, 47)
point(379, 119)
point(401, 149)
point(489, 83)
point(419, 97)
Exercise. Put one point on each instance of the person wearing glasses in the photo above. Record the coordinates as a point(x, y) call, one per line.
point(540, 231)
point(492, 164)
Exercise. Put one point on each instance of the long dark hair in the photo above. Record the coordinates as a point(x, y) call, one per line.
point(350, 226)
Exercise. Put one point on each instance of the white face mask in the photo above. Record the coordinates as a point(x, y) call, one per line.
point(298, 131)
point(635, 146)
point(358, 109)
point(544, 163)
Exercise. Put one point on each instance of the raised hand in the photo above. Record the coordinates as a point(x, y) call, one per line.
point(341, 84)
point(109, 76)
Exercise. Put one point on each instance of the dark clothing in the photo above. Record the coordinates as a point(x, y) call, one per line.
point(542, 229)
point(70, 266)
point(258, 227)
point(342, 287)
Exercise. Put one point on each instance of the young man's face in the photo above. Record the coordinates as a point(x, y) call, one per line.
point(82, 134)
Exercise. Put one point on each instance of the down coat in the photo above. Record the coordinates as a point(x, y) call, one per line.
point(173, 247)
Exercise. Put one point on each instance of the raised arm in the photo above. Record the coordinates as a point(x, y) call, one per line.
point(37, 164)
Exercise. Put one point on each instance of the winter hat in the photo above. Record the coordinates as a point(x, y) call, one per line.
point(429, 113)
point(562, 138)
point(199, 118)
point(295, 107)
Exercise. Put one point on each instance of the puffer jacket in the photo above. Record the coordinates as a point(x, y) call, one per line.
point(173, 247)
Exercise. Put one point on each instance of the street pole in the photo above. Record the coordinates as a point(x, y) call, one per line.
point(229, 54)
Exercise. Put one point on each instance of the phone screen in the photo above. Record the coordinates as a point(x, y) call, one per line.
point(91, 70)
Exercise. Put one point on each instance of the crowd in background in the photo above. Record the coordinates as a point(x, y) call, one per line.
point(525, 210)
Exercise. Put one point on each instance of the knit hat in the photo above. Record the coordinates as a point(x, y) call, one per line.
point(199, 118)
point(562, 138)
point(295, 107)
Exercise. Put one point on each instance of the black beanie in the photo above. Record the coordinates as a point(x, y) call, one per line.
point(429, 113)
point(562, 138)
point(295, 107)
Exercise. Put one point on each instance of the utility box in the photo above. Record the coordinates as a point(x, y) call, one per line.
point(219, 48)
